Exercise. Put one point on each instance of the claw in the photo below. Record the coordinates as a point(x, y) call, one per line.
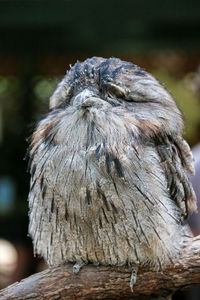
point(77, 267)
point(133, 278)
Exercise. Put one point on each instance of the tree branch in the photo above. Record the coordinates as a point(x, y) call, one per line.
point(110, 282)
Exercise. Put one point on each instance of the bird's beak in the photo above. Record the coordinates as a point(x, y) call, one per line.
point(87, 98)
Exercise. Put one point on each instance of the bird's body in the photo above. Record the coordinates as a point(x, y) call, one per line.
point(109, 170)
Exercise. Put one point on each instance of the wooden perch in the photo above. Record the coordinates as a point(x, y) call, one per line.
point(110, 282)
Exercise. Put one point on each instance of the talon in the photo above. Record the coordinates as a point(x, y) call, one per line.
point(77, 267)
point(133, 278)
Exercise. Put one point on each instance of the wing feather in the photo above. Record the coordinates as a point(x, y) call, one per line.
point(176, 160)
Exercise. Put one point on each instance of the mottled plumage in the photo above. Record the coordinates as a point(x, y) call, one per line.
point(109, 170)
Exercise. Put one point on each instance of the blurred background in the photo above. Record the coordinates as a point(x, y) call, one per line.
point(38, 41)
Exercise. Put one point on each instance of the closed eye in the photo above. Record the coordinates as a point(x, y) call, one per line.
point(115, 90)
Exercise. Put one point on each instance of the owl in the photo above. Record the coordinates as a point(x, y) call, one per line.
point(109, 167)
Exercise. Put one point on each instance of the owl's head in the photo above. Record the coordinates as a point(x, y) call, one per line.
point(112, 83)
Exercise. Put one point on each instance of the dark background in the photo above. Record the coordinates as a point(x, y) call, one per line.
point(38, 41)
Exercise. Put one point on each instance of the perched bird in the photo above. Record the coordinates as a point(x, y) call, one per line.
point(109, 170)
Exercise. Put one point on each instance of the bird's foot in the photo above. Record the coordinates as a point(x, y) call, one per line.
point(133, 277)
point(77, 267)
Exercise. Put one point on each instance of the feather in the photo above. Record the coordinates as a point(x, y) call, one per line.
point(109, 181)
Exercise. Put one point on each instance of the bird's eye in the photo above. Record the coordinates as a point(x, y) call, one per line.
point(115, 90)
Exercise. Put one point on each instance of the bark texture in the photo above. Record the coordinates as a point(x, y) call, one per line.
point(109, 282)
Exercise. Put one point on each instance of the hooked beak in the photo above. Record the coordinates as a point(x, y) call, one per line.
point(87, 98)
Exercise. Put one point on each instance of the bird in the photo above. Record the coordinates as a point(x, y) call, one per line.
point(109, 170)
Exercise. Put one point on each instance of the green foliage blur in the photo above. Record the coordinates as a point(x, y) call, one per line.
point(184, 92)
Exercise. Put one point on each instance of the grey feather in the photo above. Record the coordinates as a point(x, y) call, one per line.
point(109, 170)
